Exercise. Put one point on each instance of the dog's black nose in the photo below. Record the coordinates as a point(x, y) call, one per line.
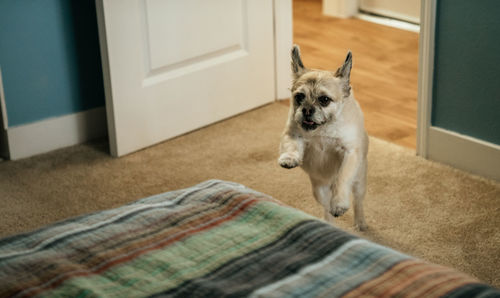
point(308, 111)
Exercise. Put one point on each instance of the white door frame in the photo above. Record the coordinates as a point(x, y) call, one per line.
point(283, 39)
point(434, 143)
point(425, 73)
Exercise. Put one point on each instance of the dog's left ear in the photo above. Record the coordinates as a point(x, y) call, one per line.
point(344, 73)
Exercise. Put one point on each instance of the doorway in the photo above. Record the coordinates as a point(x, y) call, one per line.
point(385, 66)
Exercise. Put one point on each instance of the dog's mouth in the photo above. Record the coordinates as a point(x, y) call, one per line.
point(309, 124)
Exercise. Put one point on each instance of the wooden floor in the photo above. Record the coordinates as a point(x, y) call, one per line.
point(385, 62)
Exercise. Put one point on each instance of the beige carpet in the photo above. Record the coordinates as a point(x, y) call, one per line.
point(421, 208)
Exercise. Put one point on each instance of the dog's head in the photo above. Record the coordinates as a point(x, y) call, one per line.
point(318, 95)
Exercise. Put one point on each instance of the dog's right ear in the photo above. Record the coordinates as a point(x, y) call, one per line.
point(344, 73)
point(298, 68)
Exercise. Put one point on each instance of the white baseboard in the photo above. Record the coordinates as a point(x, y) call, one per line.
point(464, 152)
point(55, 133)
point(389, 22)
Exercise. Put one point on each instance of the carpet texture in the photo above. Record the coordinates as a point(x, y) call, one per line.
point(421, 208)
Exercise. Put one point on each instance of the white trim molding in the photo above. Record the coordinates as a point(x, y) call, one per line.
point(283, 40)
point(425, 73)
point(55, 133)
point(340, 8)
point(464, 152)
point(389, 22)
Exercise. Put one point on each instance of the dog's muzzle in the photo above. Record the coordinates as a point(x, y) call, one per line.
point(308, 124)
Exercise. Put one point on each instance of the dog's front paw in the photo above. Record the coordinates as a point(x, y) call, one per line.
point(288, 161)
point(338, 210)
point(339, 207)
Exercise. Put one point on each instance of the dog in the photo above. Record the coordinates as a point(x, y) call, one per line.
point(325, 136)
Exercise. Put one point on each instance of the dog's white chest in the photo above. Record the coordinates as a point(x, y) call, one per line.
point(323, 156)
point(325, 145)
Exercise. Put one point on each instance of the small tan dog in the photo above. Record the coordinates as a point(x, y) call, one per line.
point(325, 135)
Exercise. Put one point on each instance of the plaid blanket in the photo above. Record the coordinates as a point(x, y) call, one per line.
point(215, 239)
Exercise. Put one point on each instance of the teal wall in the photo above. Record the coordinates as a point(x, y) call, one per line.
point(49, 57)
point(466, 87)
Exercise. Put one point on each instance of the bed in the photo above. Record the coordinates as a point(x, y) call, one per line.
point(215, 239)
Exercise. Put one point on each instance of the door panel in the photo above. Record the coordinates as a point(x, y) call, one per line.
point(174, 66)
point(216, 32)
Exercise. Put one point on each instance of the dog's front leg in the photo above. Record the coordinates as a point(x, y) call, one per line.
point(342, 189)
point(323, 194)
point(291, 151)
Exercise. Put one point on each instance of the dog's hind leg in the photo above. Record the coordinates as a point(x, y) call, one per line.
point(358, 192)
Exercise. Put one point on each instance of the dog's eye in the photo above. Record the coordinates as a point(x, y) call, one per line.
point(299, 98)
point(324, 100)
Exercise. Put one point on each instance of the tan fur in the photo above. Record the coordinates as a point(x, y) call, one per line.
point(328, 141)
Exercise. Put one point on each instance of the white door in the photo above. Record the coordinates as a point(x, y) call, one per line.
point(171, 66)
point(406, 10)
